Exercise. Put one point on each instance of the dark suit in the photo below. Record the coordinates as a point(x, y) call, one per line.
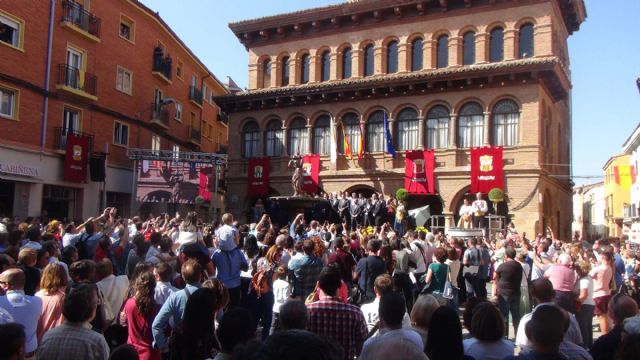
point(378, 212)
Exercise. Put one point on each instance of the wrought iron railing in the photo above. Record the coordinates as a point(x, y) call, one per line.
point(77, 79)
point(195, 94)
point(61, 134)
point(159, 114)
point(74, 13)
point(162, 63)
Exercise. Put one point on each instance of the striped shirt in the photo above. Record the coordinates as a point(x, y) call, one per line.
point(344, 323)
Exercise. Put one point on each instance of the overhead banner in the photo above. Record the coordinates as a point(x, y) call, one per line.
point(486, 169)
point(75, 160)
point(258, 171)
point(418, 172)
point(175, 182)
point(310, 173)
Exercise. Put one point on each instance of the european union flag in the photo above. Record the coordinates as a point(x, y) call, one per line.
point(387, 136)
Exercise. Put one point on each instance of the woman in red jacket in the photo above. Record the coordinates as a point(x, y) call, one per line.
point(140, 311)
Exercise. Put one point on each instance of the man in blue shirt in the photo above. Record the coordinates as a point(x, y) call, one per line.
point(228, 265)
point(306, 271)
point(173, 308)
point(16, 307)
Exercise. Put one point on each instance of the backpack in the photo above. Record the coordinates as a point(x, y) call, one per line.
point(83, 248)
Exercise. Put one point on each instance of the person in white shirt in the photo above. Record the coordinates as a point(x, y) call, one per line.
point(113, 288)
point(163, 273)
point(543, 294)
point(282, 291)
point(480, 209)
point(382, 285)
point(228, 236)
point(584, 289)
point(466, 215)
point(392, 312)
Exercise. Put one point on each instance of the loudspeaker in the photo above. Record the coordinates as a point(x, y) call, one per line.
point(96, 169)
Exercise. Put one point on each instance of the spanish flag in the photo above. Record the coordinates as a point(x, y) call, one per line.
point(361, 149)
point(625, 175)
point(347, 146)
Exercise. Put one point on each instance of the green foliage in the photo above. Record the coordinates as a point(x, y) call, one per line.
point(496, 195)
point(402, 194)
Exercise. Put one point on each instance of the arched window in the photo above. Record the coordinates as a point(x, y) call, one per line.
point(442, 51)
point(351, 125)
point(438, 127)
point(469, 48)
point(273, 136)
point(304, 69)
point(406, 129)
point(525, 41)
point(250, 139)
point(326, 66)
point(470, 126)
point(285, 70)
point(416, 54)
point(496, 45)
point(506, 117)
point(375, 132)
point(298, 137)
point(321, 135)
point(368, 60)
point(392, 57)
point(266, 73)
point(346, 63)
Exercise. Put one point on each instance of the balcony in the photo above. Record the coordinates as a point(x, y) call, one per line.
point(223, 117)
point(160, 117)
point(194, 136)
point(161, 65)
point(60, 139)
point(76, 18)
point(77, 82)
point(195, 96)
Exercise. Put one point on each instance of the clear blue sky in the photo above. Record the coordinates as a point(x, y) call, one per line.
point(605, 61)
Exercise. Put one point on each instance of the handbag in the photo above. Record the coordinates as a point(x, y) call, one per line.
point(447, 292)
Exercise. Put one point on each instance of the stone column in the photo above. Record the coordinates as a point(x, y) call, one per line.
point(357, 63)
point(253, 76)
point(309, 138)
point(333, 74)
point(486, 129)
point(379, 59)
point(294, 75)
point(481, 47)
point(510, 44)
point(314, 69)
point(427, 54)
point(285, 141)
point(421, 132)
point(453, 130)
point(448, 221)
point(454, 51)
point(274, 74)
point(403, 57)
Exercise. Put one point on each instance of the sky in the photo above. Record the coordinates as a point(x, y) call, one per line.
point(605, 61)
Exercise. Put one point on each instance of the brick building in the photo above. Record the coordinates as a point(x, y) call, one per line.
point(450, 75)
point(110, 71)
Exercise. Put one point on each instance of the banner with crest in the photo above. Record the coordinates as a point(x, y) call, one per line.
point(487, 170)
point(310, 173)
point(258, 174)
point(418, 172)
point(75, 160)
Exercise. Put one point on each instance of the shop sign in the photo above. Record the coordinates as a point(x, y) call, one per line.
point(20, 170)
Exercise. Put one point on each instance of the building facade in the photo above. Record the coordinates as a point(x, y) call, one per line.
point(589, 210)
point(112, 72)
point(449, 75)
point(631, 220)
point(616, 193)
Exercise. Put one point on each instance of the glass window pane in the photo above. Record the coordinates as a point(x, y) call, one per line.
point(525, 41)
point(9, 31)
point(285, 71)
point(497, 45)
point(407, 130)
point(7, 98)
point(346, 63)
point(304, 69)
point(442, 56)
point(326, 66)
point(506, 118)
point(416, 55)
point(321, 133)
point(469, 48)
point(471, 126)
point(392, 57)
point(375, 132)
point(266, 73)
point(368, 60)
point(351, 123)
point(438, 127)
point(298, 137)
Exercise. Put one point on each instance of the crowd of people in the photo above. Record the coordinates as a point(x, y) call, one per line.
point(350, 285)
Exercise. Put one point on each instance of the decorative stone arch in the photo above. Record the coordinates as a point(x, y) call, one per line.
point(436, 34)
point(317, 55)
point(430, 105)
point(366, 190)
point(389, 39)
point(260, 67)
point(247, 120)
point(371, 110)
point(414, 36)
point(297, 73)
point(343, 112)
point(396, 110)
point(361, 56)
point(292, 116)
point(487, 29)
point(339, 51)
point(469, 99)
point(434, 48)
point(454, 203)
point(314, 117)
point(496, 100)
point(463, 30)
point(526, 20)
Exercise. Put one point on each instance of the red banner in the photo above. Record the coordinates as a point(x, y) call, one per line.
point(207, 183)
point(486, 169)
point(310, 173)
point(258, 172)
point(418, 172)
point(75, 161)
